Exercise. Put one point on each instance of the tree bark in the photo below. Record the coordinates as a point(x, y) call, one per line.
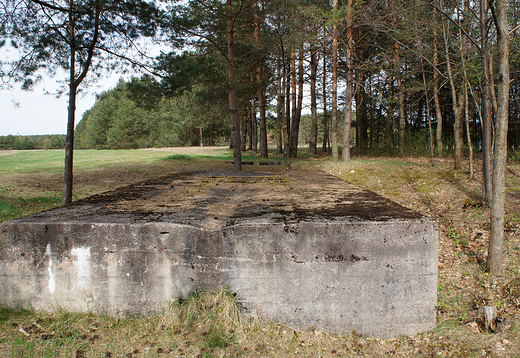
point(389, 127)
point(437, 102)
point(458, 108)
point(314, 111)
point(297, 87)
point(500, 156)
point(486, 106)
point(438, 113)
point(466, 106)
point(430, 132)
point(361, 113)
point(400, 91)
point(285, 125)
point(279, 109)
point(73, 89)
point(263, 127)
point(243, 129)
point(349, 86)
point(325, 119)
point(261, 91)
point(69, 143)
point(254, 128)
point(334, 129)
point(402, 119)
point(235, 123)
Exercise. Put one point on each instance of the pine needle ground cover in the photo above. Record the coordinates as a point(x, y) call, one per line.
point(210, 324)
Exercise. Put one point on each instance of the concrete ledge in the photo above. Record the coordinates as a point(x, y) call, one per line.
point(306, 249)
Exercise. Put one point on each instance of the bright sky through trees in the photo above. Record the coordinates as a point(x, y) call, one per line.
point(40, 111)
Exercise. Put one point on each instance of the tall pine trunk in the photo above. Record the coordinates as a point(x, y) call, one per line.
point(334, 129)
point(389, 126)
point(314, 111)
point(233, 112)
point(279, 109)
point(361, 113)
point(349, 86)
point(254, 128)
point(295, 123)
point(261, 91)
point(285, 116)
point(325, 119)
point(400, 94)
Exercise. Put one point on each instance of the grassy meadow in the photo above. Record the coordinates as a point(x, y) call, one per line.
point(210, 324)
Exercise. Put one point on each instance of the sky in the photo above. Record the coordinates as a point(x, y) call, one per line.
point(39, 111)
point(35, 112)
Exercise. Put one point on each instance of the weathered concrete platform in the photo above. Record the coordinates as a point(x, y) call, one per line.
point(303, 248)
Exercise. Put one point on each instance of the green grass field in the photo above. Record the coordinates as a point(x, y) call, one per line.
point(210, 324)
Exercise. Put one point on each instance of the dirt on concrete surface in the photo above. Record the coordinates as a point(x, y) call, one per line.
point(218, 197)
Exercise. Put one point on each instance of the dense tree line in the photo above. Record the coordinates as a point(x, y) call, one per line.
point(26, 142)
point(135, 115)
point(420, 73)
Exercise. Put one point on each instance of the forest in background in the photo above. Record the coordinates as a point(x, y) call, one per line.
point(417, 80)
point(27, 142)
point(122, 119)
point(442, 70)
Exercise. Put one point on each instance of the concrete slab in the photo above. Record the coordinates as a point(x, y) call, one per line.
point(303, 248)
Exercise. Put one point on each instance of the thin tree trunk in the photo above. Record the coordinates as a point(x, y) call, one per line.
point(261, 91)
point(294, 96)
point(397, 67)
point(263, 127)
point(466, 108)
point(279, 109)
point(296, 105)
point(243, 129)
point(314, 111)
point(500, 157)
point(402, 122)
point(334, 129)
point(73, 89)
point(438, 112)
point(254, 128)
point(400, 91)
point(458, 108)
point(361, 112)
point(468, 133)
point(349, 85)
point(486, 106)
point(285, 125)
point(287, 86)
point(69, 143)
point(428, 115)
point(389, 128)
point(235, 123)
point(251, 124)
point(325, 116)
point(295, 123)
point(361, 98)
point(372, 115)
